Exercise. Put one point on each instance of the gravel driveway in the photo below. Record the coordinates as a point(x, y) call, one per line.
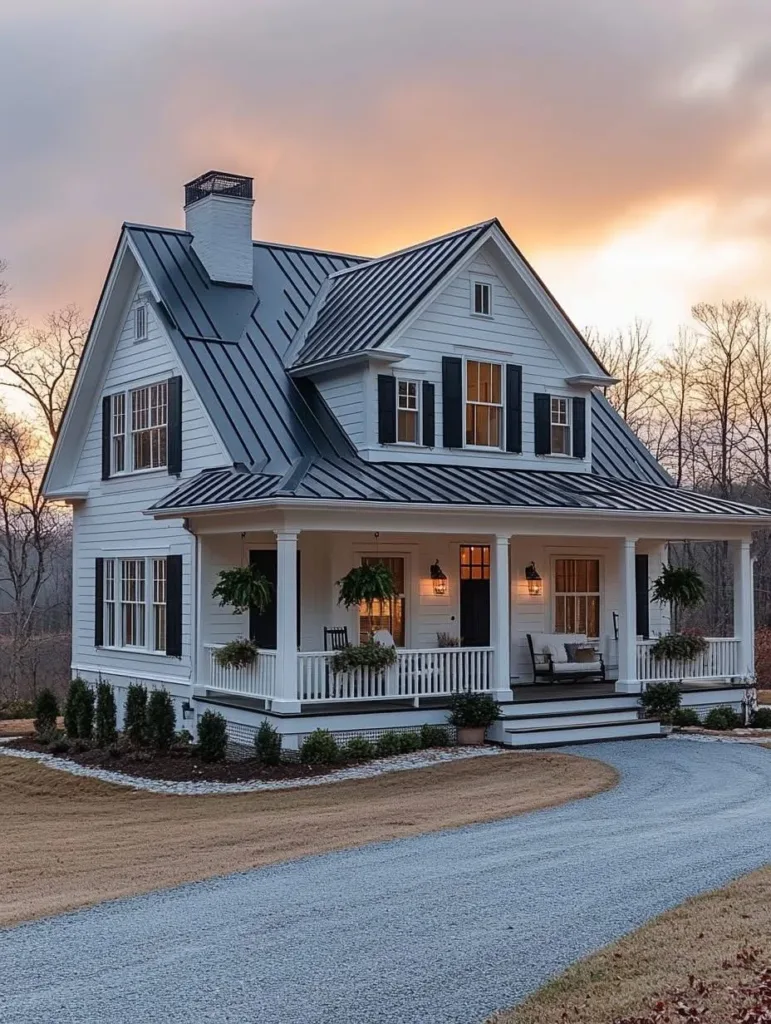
point(441, 929)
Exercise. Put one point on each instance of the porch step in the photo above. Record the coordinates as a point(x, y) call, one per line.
point(569, 718)
point(562, 735)
point(570, 705)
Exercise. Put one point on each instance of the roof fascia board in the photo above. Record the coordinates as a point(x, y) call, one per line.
point(324, 366)
point(106, 301)
point(516, 511)
point(590, 380)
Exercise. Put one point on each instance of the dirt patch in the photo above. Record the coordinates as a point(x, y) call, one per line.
point(182, 765)
point(71, 842)
point(694, 945)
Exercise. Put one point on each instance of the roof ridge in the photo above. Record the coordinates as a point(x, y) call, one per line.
point(131, 225)
point(310, 248)
point(417, 245)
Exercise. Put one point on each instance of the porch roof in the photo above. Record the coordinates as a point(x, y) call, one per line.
point(353, 480)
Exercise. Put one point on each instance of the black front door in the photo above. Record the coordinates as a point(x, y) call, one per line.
point(475, 595)
point(262, 625)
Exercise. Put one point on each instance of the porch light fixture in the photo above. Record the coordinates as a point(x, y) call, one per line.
point(439, 579)
point(534, 581)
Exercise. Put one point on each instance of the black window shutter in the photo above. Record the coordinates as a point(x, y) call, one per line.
point(642, 596)
point(99, 602)
point(579, 428)
point(452, 401)
point(175, 425)
point(542, 424)
point(386, 408)
point(106, 435)
point(429, 428)
point(513, 408)
point(174, 606)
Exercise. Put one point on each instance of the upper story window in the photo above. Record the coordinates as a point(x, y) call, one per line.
point(408, 412)
point(140, 322)
point(482, 298)
point(140, 428)
point(560, 426)
point(484, 405)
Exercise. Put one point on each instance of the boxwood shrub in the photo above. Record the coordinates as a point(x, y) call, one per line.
point(320, 747)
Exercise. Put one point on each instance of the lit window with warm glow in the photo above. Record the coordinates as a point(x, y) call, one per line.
point(484, 405)
point(577, 596)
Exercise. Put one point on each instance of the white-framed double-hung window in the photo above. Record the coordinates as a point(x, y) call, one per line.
point(135, 603)
point(139, 429)
point(577, 596)
point(484, 404)
point(408, 411)
point(560, 426)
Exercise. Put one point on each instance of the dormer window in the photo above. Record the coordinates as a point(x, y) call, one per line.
point(482, 298)
point(408, 412)
point(484, 405)
point(140, 322)
point(560, 426)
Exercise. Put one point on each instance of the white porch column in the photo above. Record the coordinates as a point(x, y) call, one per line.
point(744, 605)
point(627, 620)
point(286, 621)
point(501, 619)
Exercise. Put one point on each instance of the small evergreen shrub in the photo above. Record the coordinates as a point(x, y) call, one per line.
point(762, 719)
point(80, 746)
point(358, 749)
point(17, 709)
point(212, 736)
point(685, 716)
point(473, 710)
point(661, 700)
point(434, 736)
point(161, 720)
point(183, 738)
point(59, 745)
point(722, 719)
point(79, 710)
point(320, 747)
point(135, 716)
point(106, 716)
point(267, 744)
point(409, 742)
point(389, 744)
point(46, 712)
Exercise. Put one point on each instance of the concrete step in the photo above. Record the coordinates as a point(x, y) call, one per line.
point(559, 736)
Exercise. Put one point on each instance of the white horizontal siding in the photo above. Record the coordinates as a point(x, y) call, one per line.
point(345, 394)
point(111, 521)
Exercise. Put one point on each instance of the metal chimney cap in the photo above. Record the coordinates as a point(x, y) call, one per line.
point(218, 183)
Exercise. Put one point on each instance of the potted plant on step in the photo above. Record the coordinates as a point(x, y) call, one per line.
point(471, 714)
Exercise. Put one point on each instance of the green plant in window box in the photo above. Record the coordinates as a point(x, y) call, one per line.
point(365, 584)
point(237, 653)
point(367, 655)
point(242, 588)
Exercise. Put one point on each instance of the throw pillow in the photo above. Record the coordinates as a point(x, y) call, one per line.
point(570, 650)
point(584, 655)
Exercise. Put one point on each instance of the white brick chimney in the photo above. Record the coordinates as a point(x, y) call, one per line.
point(218, 214)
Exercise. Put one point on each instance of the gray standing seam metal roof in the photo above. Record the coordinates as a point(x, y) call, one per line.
point(363, 305)
point(285, 442)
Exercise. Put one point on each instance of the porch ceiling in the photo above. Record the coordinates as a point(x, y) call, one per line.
point(352, 480)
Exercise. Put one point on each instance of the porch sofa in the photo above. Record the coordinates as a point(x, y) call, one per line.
point(562, 657)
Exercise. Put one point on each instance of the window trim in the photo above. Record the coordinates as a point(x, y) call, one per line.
point(128, 432)
point(502, 406)
point(418, 410)
point(568, 424)
point(140, 310)
point(581, 556)
point(478, 281)
point(114, 564)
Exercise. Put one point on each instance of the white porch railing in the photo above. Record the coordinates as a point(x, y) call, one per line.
point(421, 673)
point(255, 680)
point(720, 660)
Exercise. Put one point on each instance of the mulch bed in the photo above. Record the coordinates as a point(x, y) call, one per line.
point(182, 766)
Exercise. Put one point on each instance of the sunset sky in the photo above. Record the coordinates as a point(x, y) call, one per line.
point(625, 144)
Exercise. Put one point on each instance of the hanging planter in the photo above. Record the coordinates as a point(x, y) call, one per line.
point(242, 588)
point(236, 653)
point(683, 646)
point(369, 655)
point(365, 584)
point(680, 586)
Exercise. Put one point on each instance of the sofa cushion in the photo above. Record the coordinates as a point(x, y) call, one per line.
point(554, 644)
point(568, 667)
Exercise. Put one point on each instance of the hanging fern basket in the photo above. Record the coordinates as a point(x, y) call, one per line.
point(242, 588)
point(365, 584)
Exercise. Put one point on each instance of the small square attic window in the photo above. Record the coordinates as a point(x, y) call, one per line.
point(140, 322)
point(482, 298)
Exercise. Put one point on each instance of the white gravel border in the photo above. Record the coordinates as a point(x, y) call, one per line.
point(400, 763)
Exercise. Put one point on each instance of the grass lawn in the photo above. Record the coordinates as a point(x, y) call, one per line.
point(699, 940)
point(70, 842)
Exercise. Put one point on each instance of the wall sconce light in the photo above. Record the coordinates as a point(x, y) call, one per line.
point(187, 710)
point(534, 581)
point(439, 579)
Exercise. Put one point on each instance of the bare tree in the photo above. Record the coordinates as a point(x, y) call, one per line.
point(628, 354)
point(41, 363)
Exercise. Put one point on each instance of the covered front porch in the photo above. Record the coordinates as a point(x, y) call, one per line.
point(483, 606)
